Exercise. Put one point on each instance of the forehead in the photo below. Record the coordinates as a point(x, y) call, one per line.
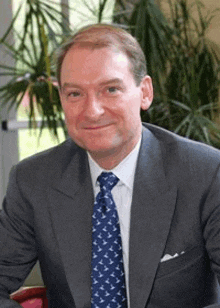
point(89, 63)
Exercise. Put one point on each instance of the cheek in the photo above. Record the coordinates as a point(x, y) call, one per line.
point(125, 112)
point(70, 113)
point(68, 116)
point(132, 113)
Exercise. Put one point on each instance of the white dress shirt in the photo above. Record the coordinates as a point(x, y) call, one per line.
point(122, 194)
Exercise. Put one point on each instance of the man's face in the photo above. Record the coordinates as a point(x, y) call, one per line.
point(101, 101)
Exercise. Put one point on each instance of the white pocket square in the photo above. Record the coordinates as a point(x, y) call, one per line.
point(169, 257)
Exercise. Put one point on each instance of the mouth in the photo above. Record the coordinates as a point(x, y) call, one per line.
point(97, 127)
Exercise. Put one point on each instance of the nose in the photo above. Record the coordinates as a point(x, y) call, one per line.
point(93, 108)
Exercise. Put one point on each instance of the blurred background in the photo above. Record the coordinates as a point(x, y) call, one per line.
point(181, 41)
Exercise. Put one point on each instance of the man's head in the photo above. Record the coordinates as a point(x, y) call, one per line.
point(103, 35)
point(102, 92)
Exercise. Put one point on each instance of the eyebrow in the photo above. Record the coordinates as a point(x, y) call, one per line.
point(74, 85)
point(114, 80)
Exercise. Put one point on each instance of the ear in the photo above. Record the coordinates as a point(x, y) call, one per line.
point(147, 92)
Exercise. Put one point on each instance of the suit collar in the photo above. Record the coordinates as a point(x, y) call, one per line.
point(125, 170)
point(71, 205)
point(152, 209)
point(72, 176)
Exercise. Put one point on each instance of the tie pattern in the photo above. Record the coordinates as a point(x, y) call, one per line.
point(108, 278)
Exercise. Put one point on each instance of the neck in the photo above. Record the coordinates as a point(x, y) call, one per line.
point(109, 160)
point(107, 163)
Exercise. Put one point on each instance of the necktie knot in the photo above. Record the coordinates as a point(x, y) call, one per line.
point(107, 181)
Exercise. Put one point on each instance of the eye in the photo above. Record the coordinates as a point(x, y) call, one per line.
point(112, 90)
point(73, 94)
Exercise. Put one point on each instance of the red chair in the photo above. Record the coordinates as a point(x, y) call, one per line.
point(31, 297)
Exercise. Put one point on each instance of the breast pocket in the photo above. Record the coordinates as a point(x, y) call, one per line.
point(184, 281)
point(180, 263)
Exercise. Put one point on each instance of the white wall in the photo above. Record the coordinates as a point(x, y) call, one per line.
point(209, 6)
point(8, 140)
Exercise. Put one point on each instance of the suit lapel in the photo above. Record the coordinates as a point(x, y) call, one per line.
point(151, 213)
point(71, 205)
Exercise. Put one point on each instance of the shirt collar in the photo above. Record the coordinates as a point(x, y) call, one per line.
point(124, 171)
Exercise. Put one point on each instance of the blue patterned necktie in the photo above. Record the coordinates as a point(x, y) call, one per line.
point(108, 278)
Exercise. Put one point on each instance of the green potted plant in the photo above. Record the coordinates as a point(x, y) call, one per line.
point(33, 79)
point(183, 64)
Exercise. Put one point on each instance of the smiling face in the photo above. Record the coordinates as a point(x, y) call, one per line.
point(102, 103)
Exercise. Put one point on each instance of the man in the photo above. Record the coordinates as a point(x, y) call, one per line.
point(167, 194)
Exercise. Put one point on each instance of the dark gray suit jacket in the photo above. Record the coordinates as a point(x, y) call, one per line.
point(175, 210)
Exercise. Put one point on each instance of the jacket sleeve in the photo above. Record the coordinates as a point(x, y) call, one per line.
point(17, 242)
point(7, 303)
point(211, 222)
point(211, 226)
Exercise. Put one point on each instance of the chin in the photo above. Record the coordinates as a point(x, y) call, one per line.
point(101, 150)
point(99, 145)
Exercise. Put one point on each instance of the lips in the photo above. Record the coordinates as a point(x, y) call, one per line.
point(97, 127)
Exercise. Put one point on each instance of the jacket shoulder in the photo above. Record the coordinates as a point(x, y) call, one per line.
point(183, 155)
point(182, 145)
point(60, 153)
point(42, 168)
